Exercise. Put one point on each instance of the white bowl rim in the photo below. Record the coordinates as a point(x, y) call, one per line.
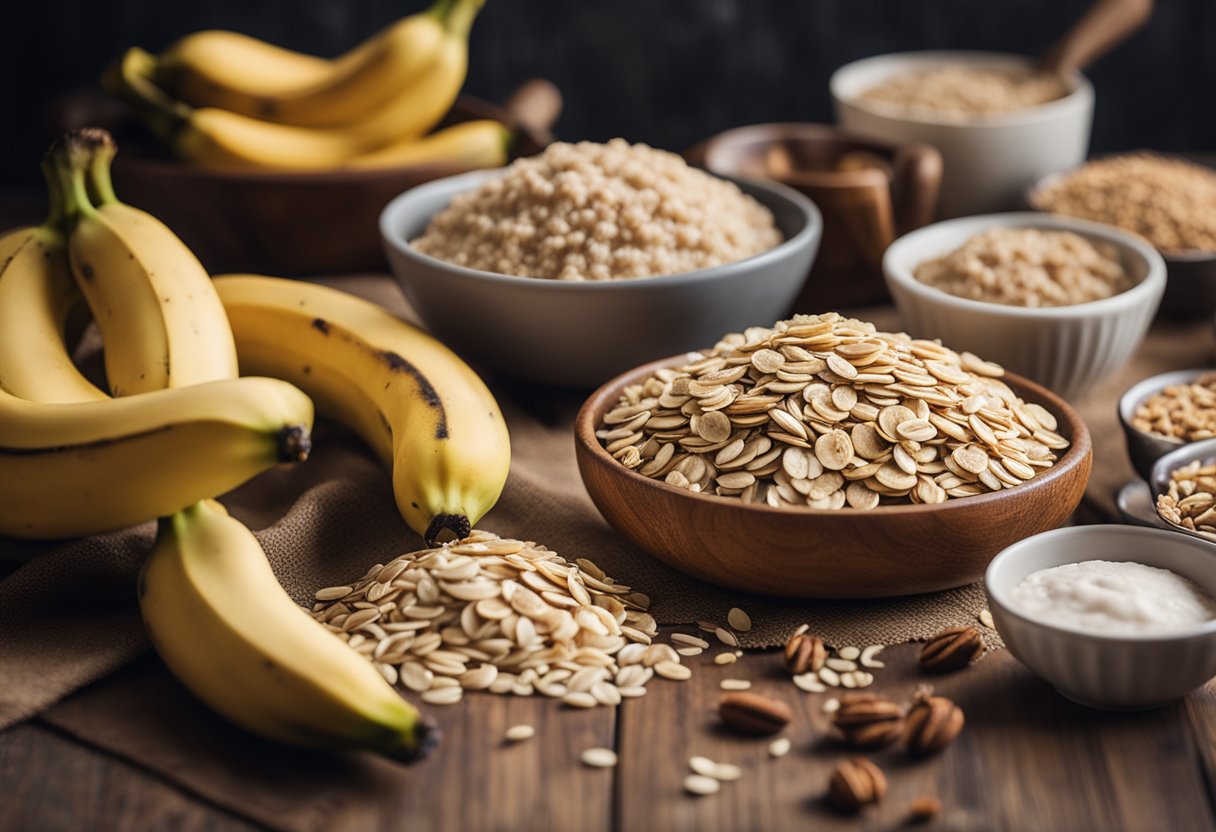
point(811, 229)
point(999, 595)
point(895, 257)
point(1081, 95)
point(1047, 180)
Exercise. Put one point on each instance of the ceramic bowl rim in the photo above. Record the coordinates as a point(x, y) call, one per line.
point(1139, 392)
point(897, 268)
point(400, 206)
point(600, 401)
point(1080, 96)
point(998, 595)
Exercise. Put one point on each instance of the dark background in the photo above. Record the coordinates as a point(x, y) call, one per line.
point(668, 72)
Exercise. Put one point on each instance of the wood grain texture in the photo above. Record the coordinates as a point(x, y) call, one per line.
point(808, 553)
point(51, 783)
point(1027, 759)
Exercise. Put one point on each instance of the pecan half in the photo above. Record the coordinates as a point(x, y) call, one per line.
point(751, 713)
point(951, 649)
point(856, 783)
point(933, 723)
point(805, 653)
point(865, 720)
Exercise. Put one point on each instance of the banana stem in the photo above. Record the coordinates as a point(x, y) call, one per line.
point(130, 80)
point(101, 187)
point(57, 215)
point(72, 155)
point(459, 15)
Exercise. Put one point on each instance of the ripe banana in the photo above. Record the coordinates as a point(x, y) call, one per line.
point(161, 323)
point(68, 470)
point(232, 74)
point(220, 138)
point(37, 294)
point(219, 619)
point(474, 144)
point(421, 409)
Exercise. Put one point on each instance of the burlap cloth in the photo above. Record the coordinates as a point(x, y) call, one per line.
point(68, 617)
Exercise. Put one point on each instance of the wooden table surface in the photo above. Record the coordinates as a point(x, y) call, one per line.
point(1027, 759)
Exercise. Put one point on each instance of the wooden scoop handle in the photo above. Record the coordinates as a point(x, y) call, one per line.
point(1107, 24)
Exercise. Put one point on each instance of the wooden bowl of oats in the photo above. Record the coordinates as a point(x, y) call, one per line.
point(925, 543)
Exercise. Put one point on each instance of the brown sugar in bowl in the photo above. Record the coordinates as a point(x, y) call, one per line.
point(815, 553)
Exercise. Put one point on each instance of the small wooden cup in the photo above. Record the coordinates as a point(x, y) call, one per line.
point(811, 553)
point(869, 192)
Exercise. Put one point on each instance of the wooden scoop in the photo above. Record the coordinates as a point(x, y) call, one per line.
point(1107, 24)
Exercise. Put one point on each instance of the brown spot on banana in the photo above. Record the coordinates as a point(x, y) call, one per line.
point(321, 325)
point(425, 389)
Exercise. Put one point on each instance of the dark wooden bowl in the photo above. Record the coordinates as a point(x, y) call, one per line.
point(810, 553)
point(288, 223)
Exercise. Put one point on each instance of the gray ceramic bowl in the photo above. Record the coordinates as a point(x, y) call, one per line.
point(1190, 284)
point(1145, 449)
point(1115, 672)
point(580, 334)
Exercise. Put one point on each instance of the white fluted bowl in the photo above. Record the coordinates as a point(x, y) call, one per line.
point(1068, 349)
point(1113, 672)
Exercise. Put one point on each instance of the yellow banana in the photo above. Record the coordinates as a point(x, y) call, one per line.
point(421, 409)
point(37, 294)
point(203, 68)
point(474, 144)
point(161, 323)
point(220, 138)
point(68, 470)
point(222, 623)
point(269, 83)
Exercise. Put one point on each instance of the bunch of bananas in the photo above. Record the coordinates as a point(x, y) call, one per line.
point(224, 100)
point(179, 426)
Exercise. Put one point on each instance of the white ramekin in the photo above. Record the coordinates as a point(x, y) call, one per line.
point(1114, 672)
point(988, 161)
point(1068, 349)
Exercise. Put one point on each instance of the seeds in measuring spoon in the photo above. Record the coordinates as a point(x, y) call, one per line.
point(827, 412)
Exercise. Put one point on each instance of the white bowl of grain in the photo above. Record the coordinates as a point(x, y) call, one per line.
point(543, 276)
point(1123, 665)
point(1067, 348)
point(998, 125)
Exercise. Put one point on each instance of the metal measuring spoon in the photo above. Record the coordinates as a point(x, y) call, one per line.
point(1137, 501)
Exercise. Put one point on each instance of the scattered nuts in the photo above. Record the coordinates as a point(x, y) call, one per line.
point(739, 620)
point(519, 733)
point(856, 783)
point(700, 784)
point(933, 723)
point(751, 713)
point(985, 617)
point(951, 649)
point(924, 809)
point(865, 720)
point(805, 653)
point(779, 747)
point(867, 656)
